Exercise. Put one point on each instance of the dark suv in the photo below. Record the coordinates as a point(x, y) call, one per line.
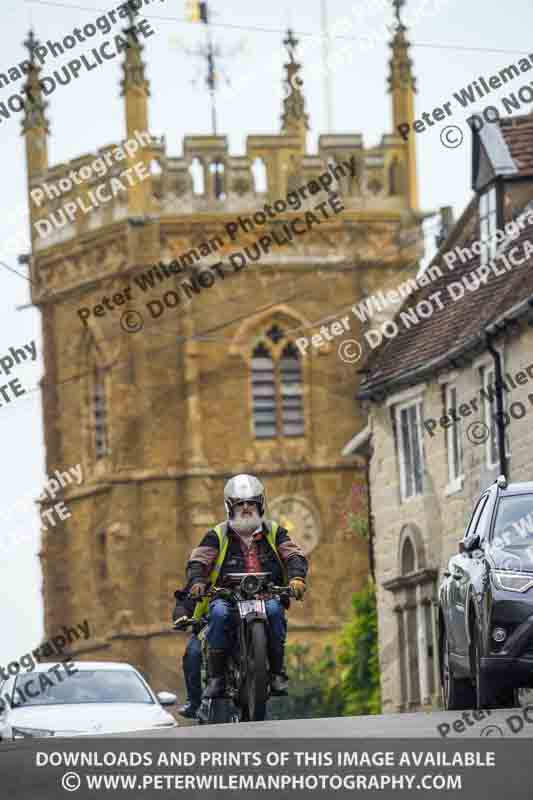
point(486, 603)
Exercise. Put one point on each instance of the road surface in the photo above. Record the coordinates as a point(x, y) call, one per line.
point(506, 723)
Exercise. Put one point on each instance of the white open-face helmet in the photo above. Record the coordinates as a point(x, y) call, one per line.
point(244, 487)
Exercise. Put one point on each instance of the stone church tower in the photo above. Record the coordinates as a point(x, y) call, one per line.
point(213, 384)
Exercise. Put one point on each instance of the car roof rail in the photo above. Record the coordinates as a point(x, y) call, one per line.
point(501, 480)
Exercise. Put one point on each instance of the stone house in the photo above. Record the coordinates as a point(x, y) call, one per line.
point(435, 436)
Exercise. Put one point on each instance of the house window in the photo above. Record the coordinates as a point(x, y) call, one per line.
point(488, 224)
point(99, 406)
point(277, 388)
point(454, 444)
point(409, 427)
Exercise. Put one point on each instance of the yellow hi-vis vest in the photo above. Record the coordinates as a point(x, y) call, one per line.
point(221, 531)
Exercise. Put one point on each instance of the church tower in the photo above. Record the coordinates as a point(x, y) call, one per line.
point(170, 332)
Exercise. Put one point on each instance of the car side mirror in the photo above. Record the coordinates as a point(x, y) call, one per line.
point(470, 544)
point(166, 698)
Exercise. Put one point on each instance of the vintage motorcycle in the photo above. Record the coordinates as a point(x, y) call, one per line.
point(247, 668)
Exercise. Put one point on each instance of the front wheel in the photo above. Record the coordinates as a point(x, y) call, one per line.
point(257, 673)
point(456, 694)
point(217, 711)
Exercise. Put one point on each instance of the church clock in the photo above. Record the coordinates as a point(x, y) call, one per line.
point(299, 518)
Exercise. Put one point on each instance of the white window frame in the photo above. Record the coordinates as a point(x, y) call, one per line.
point(454, 438)
point(417, 404)
point(488, 224)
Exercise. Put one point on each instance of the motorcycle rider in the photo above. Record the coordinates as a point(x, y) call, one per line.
point(246, 542)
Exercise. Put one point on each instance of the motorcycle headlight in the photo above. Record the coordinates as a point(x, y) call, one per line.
point(512, 581)
point(250, 585)
point(30, 733)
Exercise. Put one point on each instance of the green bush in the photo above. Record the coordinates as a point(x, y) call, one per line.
point(314, 691)
point(358, 656)
point(329, 687)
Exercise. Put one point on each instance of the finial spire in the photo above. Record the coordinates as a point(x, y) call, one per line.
point(136, 91)
point(294, 118)
point(134, 82)
point(401, 73)
point(402, 86)
point(34, 105)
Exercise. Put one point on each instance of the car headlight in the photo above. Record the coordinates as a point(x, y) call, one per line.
point(36, 733)
point(512, 581)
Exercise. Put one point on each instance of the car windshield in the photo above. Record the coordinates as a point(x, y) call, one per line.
point(84, 686)
point(513, 528)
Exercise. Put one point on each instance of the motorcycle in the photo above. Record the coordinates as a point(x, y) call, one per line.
point(247, 668)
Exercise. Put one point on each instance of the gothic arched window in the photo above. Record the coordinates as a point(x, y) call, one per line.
point(277, 387)
point(292, 411)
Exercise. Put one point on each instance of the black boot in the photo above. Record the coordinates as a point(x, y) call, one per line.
point(188, 710)
point(216, 668)
point(279, 681)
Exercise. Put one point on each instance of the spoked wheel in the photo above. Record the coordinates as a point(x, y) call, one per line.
point(257, 674)
point(456, 694)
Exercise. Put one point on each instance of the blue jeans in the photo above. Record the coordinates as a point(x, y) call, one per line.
point(220, 617)
point(192, 670)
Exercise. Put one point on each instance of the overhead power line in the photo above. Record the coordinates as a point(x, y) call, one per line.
point(279, 31)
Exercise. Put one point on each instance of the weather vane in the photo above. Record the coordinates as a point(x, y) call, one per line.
point(290, 43)
point(398, 4)
point(31, 43)
point(210, 53)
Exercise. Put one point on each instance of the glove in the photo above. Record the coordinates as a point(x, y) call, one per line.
point(180, 624)
point(197, 589)
point(298, 587)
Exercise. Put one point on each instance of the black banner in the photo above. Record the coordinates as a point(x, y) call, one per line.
point(282, 768)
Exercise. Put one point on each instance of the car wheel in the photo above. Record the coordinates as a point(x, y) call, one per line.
point(456, 694)
point(485, 694)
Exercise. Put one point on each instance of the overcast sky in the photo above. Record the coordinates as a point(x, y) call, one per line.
point(453, 44)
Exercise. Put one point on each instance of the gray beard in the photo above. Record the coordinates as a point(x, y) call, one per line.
point(247, 525)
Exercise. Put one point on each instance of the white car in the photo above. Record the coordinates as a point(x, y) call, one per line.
point(81, 698)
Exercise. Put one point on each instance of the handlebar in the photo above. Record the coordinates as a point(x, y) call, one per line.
point(187, 622)
point(269, 589)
